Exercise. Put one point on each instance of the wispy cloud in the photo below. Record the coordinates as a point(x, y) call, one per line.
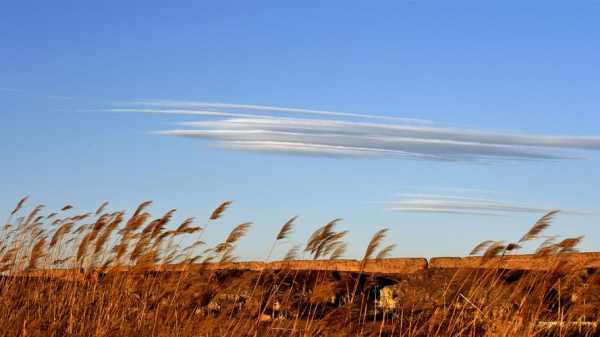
point(425, 203)
point(166, 104)
point(321, 150)
point(186, 112)
point(349, 137)
point(370, 144)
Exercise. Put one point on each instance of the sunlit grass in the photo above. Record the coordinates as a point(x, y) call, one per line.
point(107, 273)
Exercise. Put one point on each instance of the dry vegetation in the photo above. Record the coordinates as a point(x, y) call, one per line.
point(109, 274)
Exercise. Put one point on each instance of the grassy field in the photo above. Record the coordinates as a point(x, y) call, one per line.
point(110, 274)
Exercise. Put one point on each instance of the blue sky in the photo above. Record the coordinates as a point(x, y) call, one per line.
point(68, 71)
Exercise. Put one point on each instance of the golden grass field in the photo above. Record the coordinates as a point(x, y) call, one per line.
point(110, 274)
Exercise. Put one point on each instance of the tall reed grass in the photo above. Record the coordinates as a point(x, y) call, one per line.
point(106, 273)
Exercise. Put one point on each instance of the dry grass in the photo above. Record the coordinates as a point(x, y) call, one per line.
point(103, 274)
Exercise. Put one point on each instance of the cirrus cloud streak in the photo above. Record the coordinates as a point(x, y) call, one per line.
point(463, 205)
point(267, 130)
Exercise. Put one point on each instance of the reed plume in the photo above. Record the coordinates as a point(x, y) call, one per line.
point(216, 214)
point(371, 248)
point(151, 232)
point(81, 229)
point(318, 237)
point(480, 247)
point(136, 221)
point(83, 245)
point(60, 233)
point(329, 243)
point(339, 251)
point(157, 226)
point(79, 217)
point(547, 250)
point(227, 256)
point(36, 253)
point(286, 229)
point(110, 228)
point(385, 252)
point(101, 208)
point(237, 233)
point(29, 220)
point(120, 250)
point(184, 227)
point(373, 245)
point(494, 250)
point(141, 207)
point(568, 245)
point(292, 253)
point(194, 245)
point(140, 248)
point(19, 205)
point(98, 225)
point(9, 255)
point(513, 246)
point(539, 226)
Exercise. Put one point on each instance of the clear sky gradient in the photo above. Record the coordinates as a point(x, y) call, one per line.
point(68, 69)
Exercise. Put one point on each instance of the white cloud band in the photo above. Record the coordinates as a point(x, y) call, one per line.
point(462, 205)
point(396, 138)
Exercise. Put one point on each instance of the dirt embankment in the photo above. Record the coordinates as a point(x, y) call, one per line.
point(412, 265)
point(390, 266)
point(518, 262)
